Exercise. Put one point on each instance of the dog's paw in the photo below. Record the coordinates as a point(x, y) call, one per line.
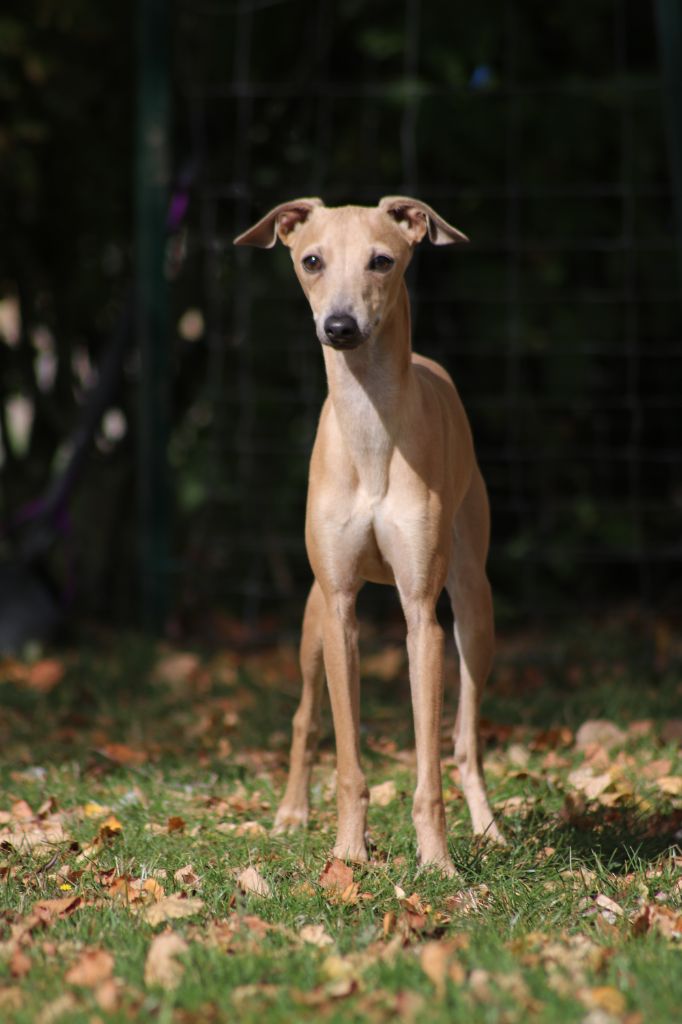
point(491, 835)
point(442, 866)
point(288, 819)
point(355, 854)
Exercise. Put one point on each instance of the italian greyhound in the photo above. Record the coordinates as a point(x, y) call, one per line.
point(395, 496)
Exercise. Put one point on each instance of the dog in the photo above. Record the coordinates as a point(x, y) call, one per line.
point(395, 496)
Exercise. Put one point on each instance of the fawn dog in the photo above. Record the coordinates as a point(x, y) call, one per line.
point(395, 496)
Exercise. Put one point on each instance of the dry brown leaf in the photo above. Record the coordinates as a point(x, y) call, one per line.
point(162, 966)
point(177, 669)
point(670, 784)
point(20, 963)
point(433, 959)
point(587, 782)
point(120, 753)
point(21, 811)
point(336, 874)
point(93, 967)
point(250, 828)
point(187, 876)
point(383, 794)
point(44, 675)
point(604, 997)
point(250, 881)
point(468, 901)
point(172, 907)
point(48, 910)
point(599, 732)
point(109, 828)
point(176, 824)
point(606, 903)
point(654, 769)
point(108, 995)
point(654, 917)
point(315, 935)
point(386, 665)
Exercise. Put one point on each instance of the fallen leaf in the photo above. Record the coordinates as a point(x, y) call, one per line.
point(336, 875)
point(161, 966)
point(95, 810)
point(122, 754)
point(604, 997)
point(176, 824)
point(383, 794)
point(44, 675)
point(109, 828)
point(187, 876)
point(386, 665)
point(48, 910)
point(21, 811)
point(606, 903)
point(433, 960)
point(108, 995)
point(250, 881)
point(654, 917)
point(250, 828)
point(599, 732)
point(177, 669)
point(670, 784)
point(315, 935)
point(587, 782)
point(93, 967)
point(172, 907)
point(20, 963)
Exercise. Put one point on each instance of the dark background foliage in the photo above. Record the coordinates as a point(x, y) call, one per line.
point(538, 132)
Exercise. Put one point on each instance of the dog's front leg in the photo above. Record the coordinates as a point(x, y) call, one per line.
point(425, 650)
point(343, 679)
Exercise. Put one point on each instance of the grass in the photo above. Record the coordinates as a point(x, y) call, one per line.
point(579, 919)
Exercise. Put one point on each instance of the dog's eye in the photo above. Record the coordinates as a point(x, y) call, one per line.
point(381, 263)
point(312, 264)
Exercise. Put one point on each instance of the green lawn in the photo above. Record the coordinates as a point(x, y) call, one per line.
point(140, 775)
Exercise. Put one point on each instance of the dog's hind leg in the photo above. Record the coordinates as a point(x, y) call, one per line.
point(294, 808)
point(472, 606)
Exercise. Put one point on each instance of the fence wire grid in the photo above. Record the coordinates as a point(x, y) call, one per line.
point(539, 134)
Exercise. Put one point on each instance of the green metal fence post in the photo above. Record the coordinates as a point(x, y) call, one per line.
point(669, 14)
point(151, 199)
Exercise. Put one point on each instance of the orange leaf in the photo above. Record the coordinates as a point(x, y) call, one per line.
point(123, 754)
point(108, 829)
point(92, 968)
point(336, 875)
point(48, 910)
point(44, 675)
point(161, 966)
point(19, 963)
point(173, 907)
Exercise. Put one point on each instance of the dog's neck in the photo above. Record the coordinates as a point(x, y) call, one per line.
point(368, 387)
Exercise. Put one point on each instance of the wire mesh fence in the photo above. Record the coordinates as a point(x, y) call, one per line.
point(539, 134)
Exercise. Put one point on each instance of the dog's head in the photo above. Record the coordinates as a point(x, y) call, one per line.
point(350, 260)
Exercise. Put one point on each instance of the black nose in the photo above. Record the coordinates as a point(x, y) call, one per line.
point(342, 330)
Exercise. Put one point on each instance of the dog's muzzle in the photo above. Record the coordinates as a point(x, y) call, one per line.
point(342, 331)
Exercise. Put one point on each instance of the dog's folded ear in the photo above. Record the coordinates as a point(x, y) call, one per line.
point(415, 219)
point(280, 223)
